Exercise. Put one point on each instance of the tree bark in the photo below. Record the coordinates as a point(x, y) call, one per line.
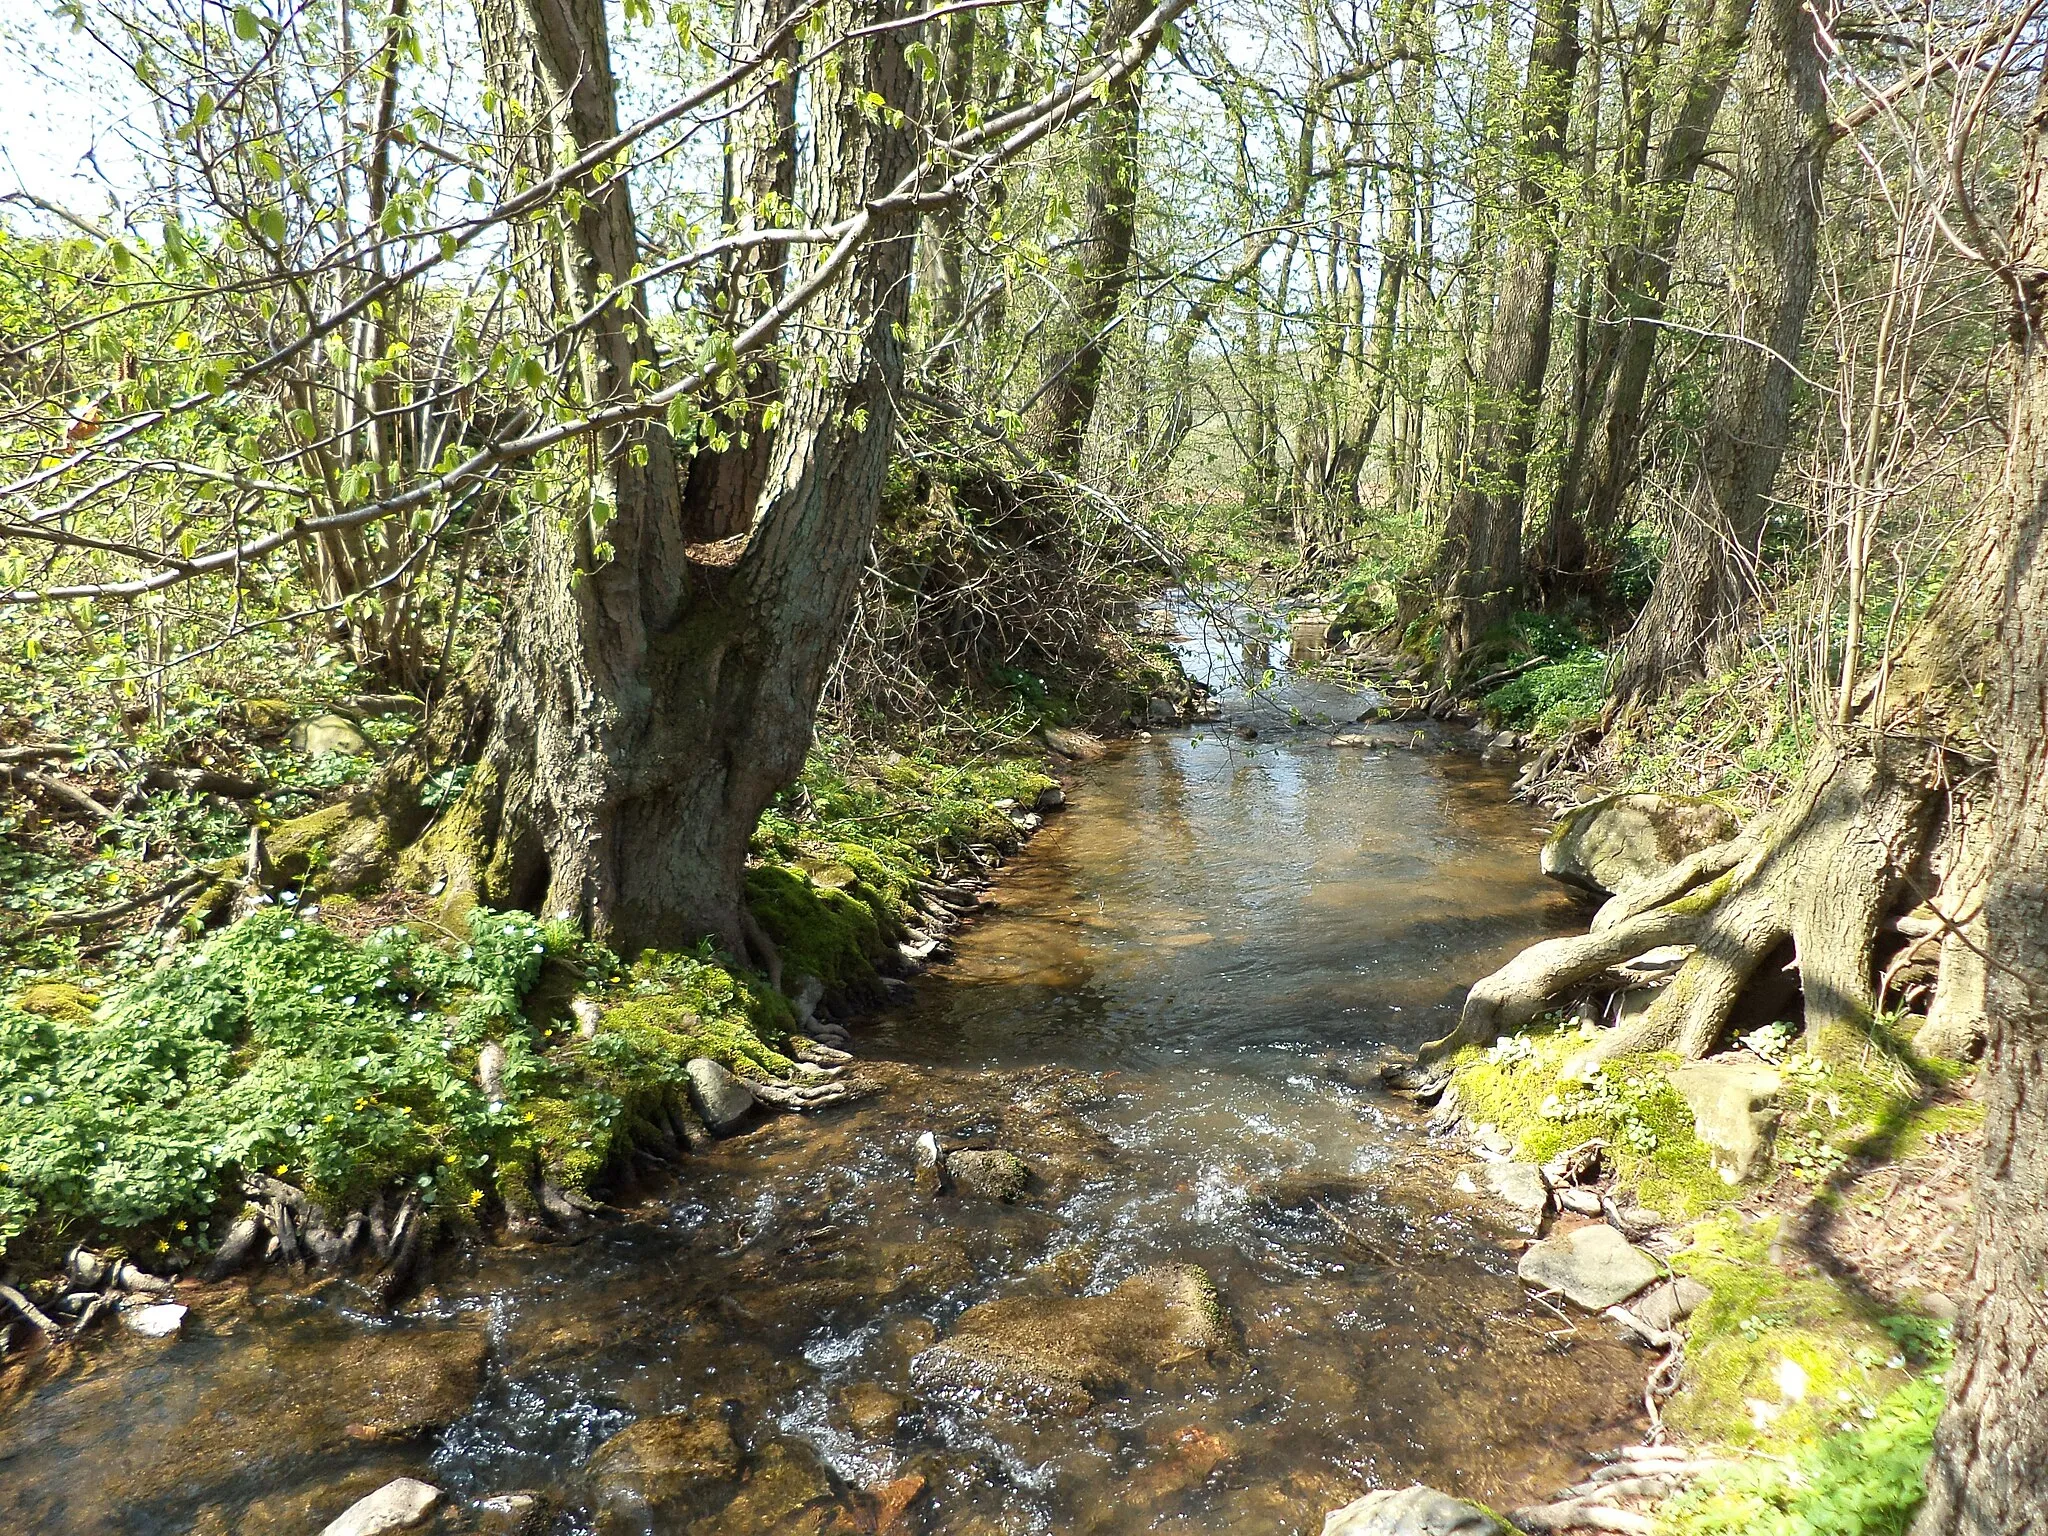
point(645, 704)
point(1702, 588)
point(724, 485)
point(1479, 561)
point(1990, 1449)
point(1099, 269)
point(1593, 491)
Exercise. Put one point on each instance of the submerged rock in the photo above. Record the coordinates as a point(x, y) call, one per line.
point(662, 1471)
point(408, 1382)
point(720, 1098)
point(1734, 1104)
point(399, 1505)
point(869, 1408)
point(510, 1514)
point(1416, 1511)
point(1608, 844)
point(1594, 1266)
point(1071, 1352)
point(988, 1174)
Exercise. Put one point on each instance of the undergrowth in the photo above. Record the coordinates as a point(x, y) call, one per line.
point(136, 1099)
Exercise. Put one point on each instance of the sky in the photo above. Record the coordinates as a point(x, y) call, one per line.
point(64, 112)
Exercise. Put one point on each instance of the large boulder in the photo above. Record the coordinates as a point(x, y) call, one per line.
point(721, 1099)
point(1594, 1266)
point(1068, 1353)
point(662, 1471)
point(400, 1505)
point(1416, 1511)
point(1734, 1104)
point(1608, 845)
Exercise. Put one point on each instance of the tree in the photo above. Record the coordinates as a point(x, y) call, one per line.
point(1097, 270)
point(1479, 561)
point(1992, 1442)
point(1606, 435)
point(1702, 586)
point(652, 689)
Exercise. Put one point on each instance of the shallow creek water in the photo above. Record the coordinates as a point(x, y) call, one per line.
point(1170, 1010)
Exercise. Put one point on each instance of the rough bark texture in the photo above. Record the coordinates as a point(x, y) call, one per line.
point(646, 705)
point(1607, 444)
point(1702, 586)
point(1099, 267)
point(1992, 1444)
point(723, 489)
point(1479, 562)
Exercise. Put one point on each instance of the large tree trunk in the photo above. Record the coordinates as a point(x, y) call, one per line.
point(1598, 488)
point(1096, 274)
point(1703, 586)
point(645, 704)
point(1991, 1449)
point(1479, 561)
point(723, 487)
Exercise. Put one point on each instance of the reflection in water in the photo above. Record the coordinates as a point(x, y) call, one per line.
point(1166, 1012)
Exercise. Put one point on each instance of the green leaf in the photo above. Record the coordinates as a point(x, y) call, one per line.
point(270, 223)
point(247, 27)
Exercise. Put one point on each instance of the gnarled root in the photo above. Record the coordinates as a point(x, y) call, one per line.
point(1823, 869)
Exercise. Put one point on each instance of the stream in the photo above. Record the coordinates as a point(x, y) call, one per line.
point(1170, 1009)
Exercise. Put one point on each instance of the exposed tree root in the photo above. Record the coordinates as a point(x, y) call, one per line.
point(1823, 869)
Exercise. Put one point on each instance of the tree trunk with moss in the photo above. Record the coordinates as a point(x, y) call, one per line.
point(1991, 1446)
point(1702, 588)
point(1478, 566)
point(650, 695)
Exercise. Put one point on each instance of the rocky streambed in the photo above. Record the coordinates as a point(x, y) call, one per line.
point(1127, 1238)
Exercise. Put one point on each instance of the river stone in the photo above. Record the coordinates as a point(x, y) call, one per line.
point(1594, 1266)
point(722, 1099)
point(1068, 1353)
point(1520, 1186)
point(988, 1175)
point(661, 1472)
point(1609, 844)
point(1160, 710)
point(1734, 1104)
point(324, 734)
point(1670, 1302)
point(1050, 798)
point(871, 1409)
point(510, 1514)
point(1416, 1511)
point(1078, 745)
point(397, 1506)
point(784, 1479)
point(403, 1383)
point(161, 1320)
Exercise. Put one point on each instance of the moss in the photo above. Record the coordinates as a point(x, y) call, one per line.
point(58, 1000)
point(1519, 1086)
point(822, 931)
point(1774, 1359)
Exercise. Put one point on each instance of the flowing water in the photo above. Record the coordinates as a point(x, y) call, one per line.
point(1170, 1010)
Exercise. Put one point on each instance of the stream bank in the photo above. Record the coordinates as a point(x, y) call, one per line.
point(1168, 1013)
